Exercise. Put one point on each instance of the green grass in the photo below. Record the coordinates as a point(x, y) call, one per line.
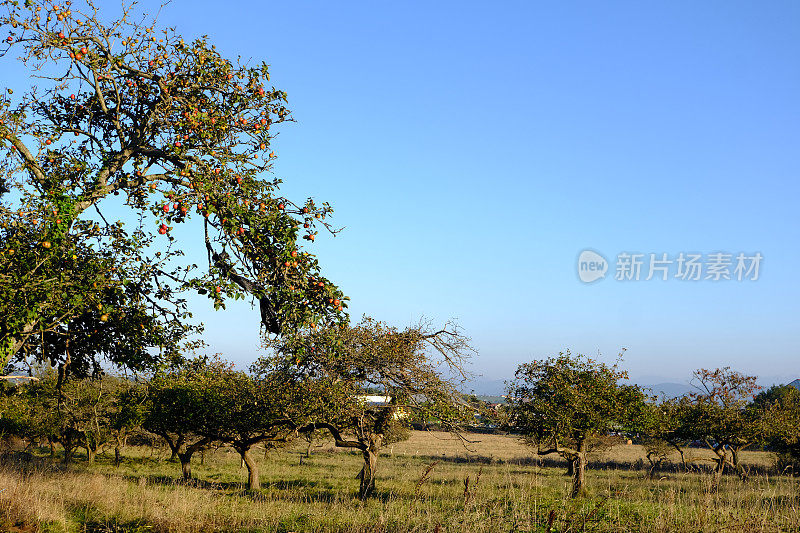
point(512, 493)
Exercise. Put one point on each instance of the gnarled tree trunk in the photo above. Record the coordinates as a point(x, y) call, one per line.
point(185, 457)
point(719, 469)
point(578, 461)
point(367, 475)
point(253, 480)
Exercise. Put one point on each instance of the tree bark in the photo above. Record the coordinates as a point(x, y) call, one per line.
point(117, 456)
point(90, 455)
point(578, 470)
point(186, 464)
point(69, 449)
point(719, 469)
point(367, 475)
point(185, 457)
point(253, 481)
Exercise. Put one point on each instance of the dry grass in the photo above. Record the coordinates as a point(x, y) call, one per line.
point(512, 493)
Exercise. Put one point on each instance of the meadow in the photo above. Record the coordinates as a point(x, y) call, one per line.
point(430, 482)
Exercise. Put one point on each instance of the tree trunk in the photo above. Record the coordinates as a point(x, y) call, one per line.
point(69, 449)
point(253, 481)
point(186, 463)
point(90, 455)
point(117, 456)
point(681, 452)
point(52, 448)
point(578, 462)
point(570, 469)
point(175, 447)
point(367, 475)
point(719, 469)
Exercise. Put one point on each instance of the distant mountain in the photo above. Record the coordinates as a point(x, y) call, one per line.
point(670, 390)
point(795, 384)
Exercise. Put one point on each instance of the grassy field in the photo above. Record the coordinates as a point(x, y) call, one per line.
point(496, 484)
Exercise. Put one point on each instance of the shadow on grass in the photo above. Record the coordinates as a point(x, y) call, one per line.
point(700, 467)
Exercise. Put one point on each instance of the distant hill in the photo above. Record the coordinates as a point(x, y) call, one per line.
point(670, 390)
point(795, 384)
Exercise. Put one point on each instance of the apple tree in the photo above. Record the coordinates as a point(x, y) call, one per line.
point(174, 410)
point(564, 404)
point(416, 371)
point(719, 415)
point(778, 410)
point(128, 131)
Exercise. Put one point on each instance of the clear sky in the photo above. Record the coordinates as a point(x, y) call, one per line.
point(473, 150)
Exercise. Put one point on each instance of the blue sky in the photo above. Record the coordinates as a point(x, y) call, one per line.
point(472, 150)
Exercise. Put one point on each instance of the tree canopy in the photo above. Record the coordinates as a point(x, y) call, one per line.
point(563, 403)
point(128, 131)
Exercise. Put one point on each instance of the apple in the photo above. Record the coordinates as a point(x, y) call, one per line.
point(46, 244)
point(162, 229)
point(104, 318)
point(218, 289)
point(84, 50)
point(294, 253)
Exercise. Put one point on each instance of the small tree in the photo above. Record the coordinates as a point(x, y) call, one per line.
point(245, 410)
point(778, 411)
point(561, 404)
point(661, 428)
point(718, 415)
point(405, 368)
point(175, 411)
